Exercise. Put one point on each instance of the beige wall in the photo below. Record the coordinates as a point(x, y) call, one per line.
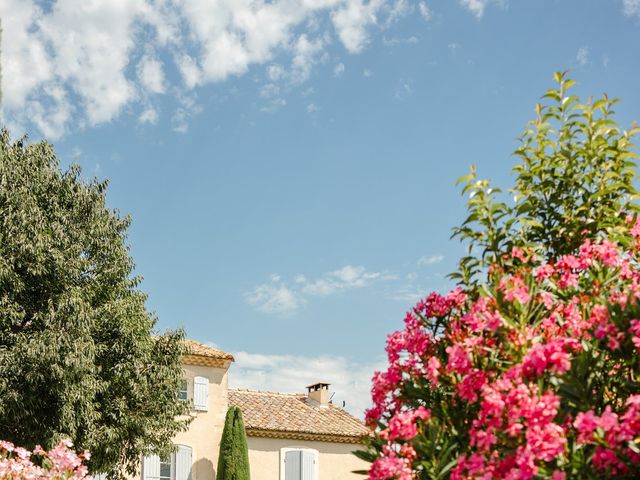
point(335, 459)
point(205, 430)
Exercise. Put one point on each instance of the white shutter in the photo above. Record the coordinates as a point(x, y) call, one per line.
point(292, 465)
point(201, 393)
point(183, 463)
point(308, 465)
point(151, 468)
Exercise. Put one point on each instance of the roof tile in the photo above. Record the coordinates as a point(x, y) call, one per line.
point(202, 350)
point(286, 412)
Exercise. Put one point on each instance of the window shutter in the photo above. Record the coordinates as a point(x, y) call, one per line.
point(151, 468)
point(201, 393)
point(292, 465)
point(183, 463)
point(308, 465)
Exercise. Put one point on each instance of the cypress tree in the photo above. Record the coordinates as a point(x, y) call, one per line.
point(233, 461)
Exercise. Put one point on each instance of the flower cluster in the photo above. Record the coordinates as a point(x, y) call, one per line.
point(59, 463)
point(534, 375)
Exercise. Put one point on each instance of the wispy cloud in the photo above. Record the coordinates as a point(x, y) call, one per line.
point(425, 11)
point(404, 89)
point(351, 381)
point(582, 57)
point(274, 297)
point(478, 7)
point(282, 298)
point(427, 260)
point(346, 278)
point(395, 41)
point(631, 7)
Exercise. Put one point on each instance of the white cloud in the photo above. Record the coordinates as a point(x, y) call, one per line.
point(404, 89)
point(427, 260)
point(189, 69)
point(631, 7)
point(274, 298)
point(399, 9)
point(395, 41)
point(425, 11)
point(151, 75)
point(351, 381)
point(477, 7)
point(346, 278)
point(338, 70)
point(148, 115)
point(351, 22)
point(68, 65)
point(367, 73)
point(188, 108)
point(305, 56)
point(582, 57)
point(312, 108)
point(279, 298)
point(275, 72)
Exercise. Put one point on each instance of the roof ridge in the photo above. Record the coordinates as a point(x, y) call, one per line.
point(198, 348)
point(250, 390)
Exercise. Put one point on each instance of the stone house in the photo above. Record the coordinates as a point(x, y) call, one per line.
point(290, 436)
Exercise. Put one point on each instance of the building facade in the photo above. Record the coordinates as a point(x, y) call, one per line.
point(290, 436)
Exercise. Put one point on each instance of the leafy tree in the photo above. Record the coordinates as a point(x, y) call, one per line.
point(233, 461)
point(529, 369)
point(78, 356)
point(575, 181)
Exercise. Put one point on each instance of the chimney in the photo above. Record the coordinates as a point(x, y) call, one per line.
point(319, 394)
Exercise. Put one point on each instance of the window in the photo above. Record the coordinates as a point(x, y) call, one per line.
point(166, 468)
point(201, 393)
point(183, 394)
point(177, 467)
point(299, 464)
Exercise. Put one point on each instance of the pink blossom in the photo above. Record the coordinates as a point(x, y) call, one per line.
point(459, 360)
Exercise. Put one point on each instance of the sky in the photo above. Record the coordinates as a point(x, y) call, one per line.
point(289, 165)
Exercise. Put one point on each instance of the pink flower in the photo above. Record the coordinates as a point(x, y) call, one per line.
point(459, 361)
point(403, 424)
point(433, 370)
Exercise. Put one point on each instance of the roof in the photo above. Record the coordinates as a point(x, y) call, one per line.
point(286, 415)
point(201, 354)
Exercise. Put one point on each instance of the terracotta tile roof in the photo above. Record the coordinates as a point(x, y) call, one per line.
point(202, 350)
point(282, 414)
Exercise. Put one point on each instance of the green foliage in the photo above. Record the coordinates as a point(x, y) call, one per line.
point(78, 357)
point(574, 180)
point(233, 460)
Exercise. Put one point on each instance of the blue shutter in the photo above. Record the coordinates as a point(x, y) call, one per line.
point(292, 464)
point(308, 465)
point(151, 468)
point(201, 393)
point(183, 463)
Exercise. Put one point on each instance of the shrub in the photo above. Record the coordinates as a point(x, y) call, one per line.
point(59, 463)
point(530, 367)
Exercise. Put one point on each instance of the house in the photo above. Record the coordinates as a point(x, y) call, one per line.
point(290, 436)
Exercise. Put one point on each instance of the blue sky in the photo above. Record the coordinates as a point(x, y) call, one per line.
point(290, 166)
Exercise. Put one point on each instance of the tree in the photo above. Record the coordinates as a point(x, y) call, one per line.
point(530, 367)
point(78, 355)
point(233, 460)
point(575, 181)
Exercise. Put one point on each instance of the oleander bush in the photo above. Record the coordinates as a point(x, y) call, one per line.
point(59, 463)
point(530, 367)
